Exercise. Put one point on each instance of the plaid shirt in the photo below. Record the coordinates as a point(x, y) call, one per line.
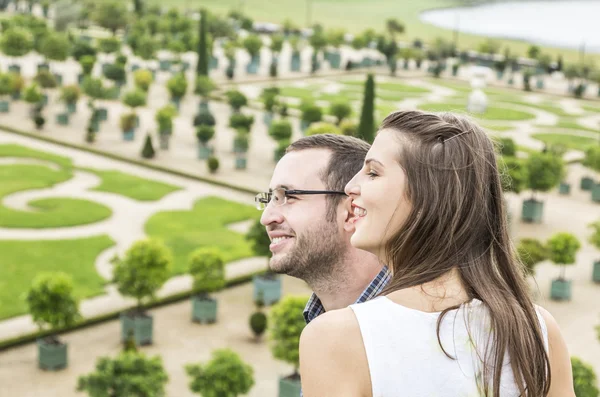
point(314, 308)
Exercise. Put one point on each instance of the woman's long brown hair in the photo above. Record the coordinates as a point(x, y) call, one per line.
point(458, 220)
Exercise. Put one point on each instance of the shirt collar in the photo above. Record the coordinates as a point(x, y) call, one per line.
point(314, 308)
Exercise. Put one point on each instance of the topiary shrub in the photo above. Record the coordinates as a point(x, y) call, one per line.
point(143, 79)
point(349, 128)
point(323, 128)
point(177, 86)
point(207, 268)
point(506, 146)
point(530, 252)
point(280, 130)
point(225, 375)
point(212, 164)
point(562, 248)
point(311, 113)
point(341, 110)
point(285, 326)
point(584, 379)
point(205, 133)
point(236, 100)
point(148, 149)
point(240, 120)
point(204, 117)
point(46, 79)
point(109, 44)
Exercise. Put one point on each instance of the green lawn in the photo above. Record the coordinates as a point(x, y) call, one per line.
point(50, 212)
point(547, 107)
point(388, 86)
point(132, 186)
point(591, 108)
point(571, 123)
point(497, 127)
point(570, 141)
point(21, 261)
point(203, 226)
point(356, 16)
point(492, 113)
point(305, 94)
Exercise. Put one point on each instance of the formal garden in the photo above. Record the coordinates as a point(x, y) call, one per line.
point(132, 138)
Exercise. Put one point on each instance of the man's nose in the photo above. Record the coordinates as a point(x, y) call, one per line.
point(270, 215)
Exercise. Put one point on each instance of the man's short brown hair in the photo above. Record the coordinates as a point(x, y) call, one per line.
point(347, 158)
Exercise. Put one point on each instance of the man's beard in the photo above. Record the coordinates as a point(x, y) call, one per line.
point(314, 257)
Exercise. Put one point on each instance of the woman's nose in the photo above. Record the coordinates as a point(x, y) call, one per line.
point(352, 188)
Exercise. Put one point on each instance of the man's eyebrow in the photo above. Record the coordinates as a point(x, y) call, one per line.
point(285, 187)
point(368, 161)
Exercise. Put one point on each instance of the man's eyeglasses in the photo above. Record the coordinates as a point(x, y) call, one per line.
point(279, 196)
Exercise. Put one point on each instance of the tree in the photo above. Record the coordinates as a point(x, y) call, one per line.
point(129, 374)
point(341, 110)
point(241, 121)
point(225, 375)
point(258, 319)
point(285, 326)
point(144, 269)
point(323, 128)
point(5, 84)
point(366, 127)
point(592, 158)
point(164, 119)
point(143, 79)
point(562, 248)
point(311, 113)
point(236, 99)
point(514, 174)
point(56, 47)
point(134, 99)
point(109, 45)
point(45, 79)
point(94, 88)
point(349, 128)
point(277, 43)
point(51, 301)
point(506, 147)
point(280, 130)
point(205, 133)
point(148, 150)
point(544, 171)
point(584, 379)
point(259, 238)
point(177, 86)
point(16, 42)
point(81, 49)
point(146, 48)
point(207, 268)
point(115, 72)
point(204, 87)
point(533, 51)
point(530, 252)
point(138, 7)
point(111, 15)
point(252, 44)
point(70, 94)
point(394, 26)
point(32, 94)
point(87, 64)
point(202, 66)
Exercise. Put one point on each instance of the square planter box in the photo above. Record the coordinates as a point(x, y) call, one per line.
point(252, 68)
point(59, 78)
point(587, 183)
point(51, 356)
point(15, 96)
point(304, 125)
point(289, 387)
point(71, 108)
point(80, 78)
point(596, 272)
point(596, 193)
point(140, 326)
point(564, 188)
point(295, 66)
point(45, 99)
point(214, 63)
point(102, 114)
point(267, 118)
point(105, 67)
point(43, 66)
point(134, 67)
point(204, 152)
point(241, 163)
point(14, 69)
point(539, 84)
point(560, 290)
point(62, 118)
point(129, 135)
point(4, 106)
point(532, 211)
point(164, 65)
point(95, 126)
point(203, 106)
point(267, 288)
point(204, 310)
point(163, 140)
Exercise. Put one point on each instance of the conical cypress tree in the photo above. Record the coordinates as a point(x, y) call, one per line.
point(202, 66)
point(366, 128)
point(148, 150)
point(138, 6)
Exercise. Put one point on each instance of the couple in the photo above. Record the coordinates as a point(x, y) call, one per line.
point(450, 314)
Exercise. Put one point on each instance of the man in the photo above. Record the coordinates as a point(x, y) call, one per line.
point(310, 221)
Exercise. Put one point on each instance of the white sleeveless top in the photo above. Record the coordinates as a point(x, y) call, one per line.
point(405, 358)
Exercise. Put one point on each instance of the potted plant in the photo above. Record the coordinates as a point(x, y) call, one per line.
point(51, 302)
point(134, 99)
point(164, 119)
point(212, 164)
point(285, 327)
point(128, 122)
point(224, 375)
point(562, 248)
point(230, 48)
point(595, 241)
point(276, 47)
point(144, 269)
point(204, 133)
point(311, 113)
point(269, 98)
point(17, 85)
point(148, 151)
point(253, 44)
point(280, 130)
point(322, 128)
point(207, 268)
point(236, 100)
point(544, 171)
point(241, 142)
point(143, 79)
point(258, 320)
point(5, 90)
point(46, 80)
point(530, 252)
point(177, 86)
point(87, 63)
point(296, 63)
point(349, 128)
point(131, 373)
point(94, 89)
point(592, 160)
point(70, 95)
point(340, 109)
point(204, 117)
point(240, 120)
point(204, 87)
point(281, 148)
point(584, 379)
point(267, 286)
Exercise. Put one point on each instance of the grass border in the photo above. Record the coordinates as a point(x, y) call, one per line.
point(178, 297)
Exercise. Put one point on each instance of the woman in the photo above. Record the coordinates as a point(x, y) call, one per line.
point(456, 319)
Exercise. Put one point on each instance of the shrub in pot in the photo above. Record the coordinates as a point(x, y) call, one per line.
point(258, 320)
point(341, 110)
point(143, 79)
point(134, 99)
point(87, 63)
point(204, 133)
point(177, 86)
point(5, 90)
point(544, 172)
point(253, 44)
point(236, 100)
point(267, 286)
point(240, 147)
point(595, 241)
point(148, 149)
point(17, 85)
point(311, 113)
point(51, 302)
point(212, 164)
point(349, 128)
point(207, 268)
point(530, 252)
point(562, 248)
point(592, 160)
point(240, 120)
point(145, 267)
point(164, 119)
point(285, 327)
point(270, 101)
point(128, 122)
point(322, 128)
point(584, 379)
point(131, 373)
point(70, 95)
point(116, 73)
point(204, 87)
point(224, 375)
